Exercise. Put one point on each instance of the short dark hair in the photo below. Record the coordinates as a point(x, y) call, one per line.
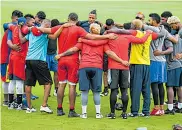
point(166, 14)
point(127, 25)
point(109, 22)
point(28, 16)
point(73, 16)
point(93, 12)
point(167, 27)
point(155, 17)
point(17, 13)
point(54, 22)
point(41, 15)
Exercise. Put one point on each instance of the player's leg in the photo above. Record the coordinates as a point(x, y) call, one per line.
point(5, 82)
point(29, 82)
point(179, 90)
point(161, 97)
point(96, 82)
point(123, 84)
point(114, 92)
point(42, 73)
point(84, 83)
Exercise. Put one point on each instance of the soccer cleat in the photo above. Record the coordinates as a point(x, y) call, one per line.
point(11, 105)
point(98, 116)
point(162, 112)
point(46, 109)
point(155, 112)
point(84, 116)
point(178, 110)
point(111, 116)
point(78, 94)
point(60, 112)
point(55, 93)
point(171, 112)
point(73, 114)
point(104, 93)
point(124, 115)
point(144, 115)
point(5, 103)
point(33, 97)
point(30, 110)
point(118, 106)
point(19, 107)
point(132, 115)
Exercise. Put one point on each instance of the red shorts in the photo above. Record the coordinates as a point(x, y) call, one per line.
point(68, 70)
point(16, 67)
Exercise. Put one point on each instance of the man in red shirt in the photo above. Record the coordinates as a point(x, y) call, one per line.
point(6, 46)
point(68, 66)
point(90, 70)
point(17, 69)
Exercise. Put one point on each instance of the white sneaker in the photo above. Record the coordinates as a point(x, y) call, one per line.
point(98, 116)
point(19, 107)
point(30, 110)
point(84, 116)
point(46, 109)
point(55, 94)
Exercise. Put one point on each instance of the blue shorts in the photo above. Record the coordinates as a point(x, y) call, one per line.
point(158, 72)
point(90, 78)
point(174, 77)
point(4, 72)
point(52, 63)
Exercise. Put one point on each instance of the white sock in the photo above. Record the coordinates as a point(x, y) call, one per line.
point(84, 109)
point(179, 105)
point(5, 87)
point(170, 106)
point(97, 108)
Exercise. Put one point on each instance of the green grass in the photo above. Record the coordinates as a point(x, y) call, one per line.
point(120, 12)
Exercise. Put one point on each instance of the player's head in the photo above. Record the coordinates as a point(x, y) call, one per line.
point(21, 21)
point(127, 26)
point(54, 22)
point(174, 22)
point(154, 19)
point(72, 17)
point(30, 22)
point(167, 27)
point(92, 16)
point(140, 16)
point(15, 15)
point(109, 24)
point(95, 28)
point(136, 24)
point(29, 16)
point(165, 15)
point(39, 17)
point(46, 23)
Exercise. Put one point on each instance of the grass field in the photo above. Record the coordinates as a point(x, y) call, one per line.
point(120, 12)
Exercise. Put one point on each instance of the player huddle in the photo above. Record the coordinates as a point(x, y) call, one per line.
point(138, 56)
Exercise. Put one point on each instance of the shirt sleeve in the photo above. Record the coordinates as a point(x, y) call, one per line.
point(138, 40)
point(79, 45)
point(168, 44)
point(82, 32)
point(147, 27)
point(133, 32)
point(9, 35)
point(54, 29)
point(154, 36)
point(106, 48)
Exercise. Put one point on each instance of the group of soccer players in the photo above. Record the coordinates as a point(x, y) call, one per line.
point(139, 56)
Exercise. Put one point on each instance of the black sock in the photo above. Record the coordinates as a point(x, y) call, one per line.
point(11, 98)
point(19, 98)
point(124, 98)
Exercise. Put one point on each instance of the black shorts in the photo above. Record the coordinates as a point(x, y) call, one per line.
point(105, 63)
point(37, 70)
point(119, 77)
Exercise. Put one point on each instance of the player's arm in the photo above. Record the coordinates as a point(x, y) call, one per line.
point(100, 37)
point(139, 40)
point(23, 39)
point(67, 53)
point(119, 25)
point(122, 31)
point(44, 30)
point(10, 44)
point(113, 55)
point(93, 42)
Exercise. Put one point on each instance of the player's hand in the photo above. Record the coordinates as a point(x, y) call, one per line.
point(105, 32)
point(149, 31)
point(79, 39)
point(126, 63)
point(16, 47)
point(112, 36)
point(178, 56)
point(67, 25)
point(57, 57)
point(157, 53)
